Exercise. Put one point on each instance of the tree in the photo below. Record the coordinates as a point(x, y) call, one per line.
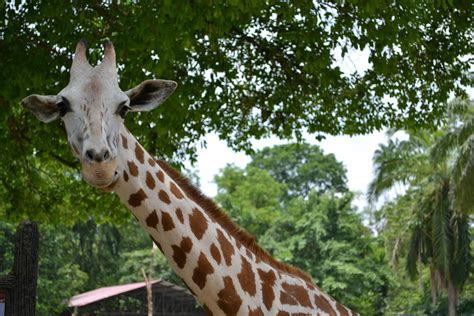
point(456, 143)
point(303, 168)
point(439, 235)
point(246, 70)
point(254, 203)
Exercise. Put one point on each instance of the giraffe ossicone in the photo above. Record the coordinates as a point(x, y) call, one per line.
point(220, 263)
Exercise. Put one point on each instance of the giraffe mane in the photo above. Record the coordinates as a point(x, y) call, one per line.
point(220, 217)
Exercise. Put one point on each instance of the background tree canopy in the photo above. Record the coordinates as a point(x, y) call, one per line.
point(246, 69)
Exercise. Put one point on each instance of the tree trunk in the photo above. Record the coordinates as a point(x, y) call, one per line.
point(434, 286)
point(420, 273)
point(21, 282)
point(452, 298)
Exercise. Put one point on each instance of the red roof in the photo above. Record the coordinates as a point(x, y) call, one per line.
point(103, 293)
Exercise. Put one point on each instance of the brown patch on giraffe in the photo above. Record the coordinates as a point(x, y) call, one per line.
point(226, 247)
point(177, 192)
point(215, 253)
point(125, 176)
point(323, 304)
point(292, 294)
point(139, 153)
point(239, 244)
point(342, 310)
point(229, 300)
point(300, 314)
point(200, 273)
point(179, 256)
point(255, 312)
point(152, 219)
point(124, 141)
point(151, 162)
point(267, 279)
point(164, 197)
point(150, 182)
point(161, 176)
point(198, 223)
point(166, 221)
point(246, 277)
point(137, 198)
point(132, 167)
point(186, 244)
point(207, 310)
point(282, 313)
point(180, 216)
point(216, 214)
point(156, 243)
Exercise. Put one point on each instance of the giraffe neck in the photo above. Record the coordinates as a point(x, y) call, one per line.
point(221, 265)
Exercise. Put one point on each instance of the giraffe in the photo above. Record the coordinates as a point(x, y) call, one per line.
point(221, 264)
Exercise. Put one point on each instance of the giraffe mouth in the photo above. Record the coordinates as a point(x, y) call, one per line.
point(100, 174)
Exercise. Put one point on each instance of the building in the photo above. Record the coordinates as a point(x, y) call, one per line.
point(131, 299)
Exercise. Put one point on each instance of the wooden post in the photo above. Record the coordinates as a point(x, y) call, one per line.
point(149, 293)
point(20, 284)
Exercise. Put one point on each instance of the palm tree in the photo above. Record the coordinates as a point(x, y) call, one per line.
point(456, 144)
point(440, 173)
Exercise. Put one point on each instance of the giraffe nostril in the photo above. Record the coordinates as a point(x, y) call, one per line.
point(90, 154)
point(106, 155)
point(93, 155)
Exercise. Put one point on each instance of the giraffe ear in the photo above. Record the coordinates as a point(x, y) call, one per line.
point(149, 94)
point(42, 106)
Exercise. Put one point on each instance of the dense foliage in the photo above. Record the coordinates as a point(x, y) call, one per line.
point(439, 232)
point(246, 69)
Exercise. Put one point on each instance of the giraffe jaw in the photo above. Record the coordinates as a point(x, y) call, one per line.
point(100, 174)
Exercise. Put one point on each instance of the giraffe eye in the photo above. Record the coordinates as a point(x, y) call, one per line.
point(63, 107)
point(123, 110)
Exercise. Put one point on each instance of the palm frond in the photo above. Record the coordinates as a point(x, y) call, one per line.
point(394, 163)
point(443, 146)
point(460, 263)
point(463, 178)
point(441, 232)
point(465, 131)
point(419, 244)
point(414, 250)
point(459, 107)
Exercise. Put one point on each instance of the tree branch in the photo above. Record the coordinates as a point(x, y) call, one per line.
point(65, 162)
point(273, 54)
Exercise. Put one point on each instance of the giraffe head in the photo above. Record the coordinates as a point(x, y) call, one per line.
point(92, 107)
